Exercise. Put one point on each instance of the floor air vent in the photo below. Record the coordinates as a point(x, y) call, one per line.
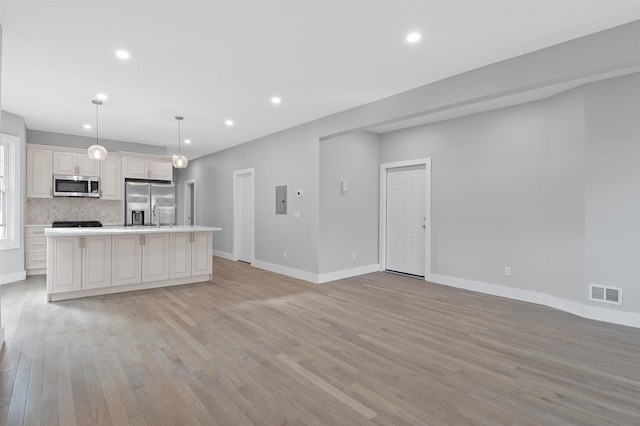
point(605, 294)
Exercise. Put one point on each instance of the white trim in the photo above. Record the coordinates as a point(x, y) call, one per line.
point(236, 209)
point(223, 254)
point(488, 288)
point(285, 270)
point(1, 337)
point(630, 319)
point(14, 213)
point(13, 277)
point(382, 238)
point(347, 273)
point(193, 213)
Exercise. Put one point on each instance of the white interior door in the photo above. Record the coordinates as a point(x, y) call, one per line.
point(406, 220)
point(245, 217)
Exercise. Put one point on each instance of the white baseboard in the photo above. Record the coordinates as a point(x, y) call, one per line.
point(347, 273)
point(11, 278)
point(285, 270)
point(631, 319)
point(223, 254)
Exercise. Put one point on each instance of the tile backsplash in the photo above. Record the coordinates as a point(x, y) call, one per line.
point(43, 211)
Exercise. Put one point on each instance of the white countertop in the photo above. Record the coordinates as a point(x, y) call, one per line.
point(117, 230)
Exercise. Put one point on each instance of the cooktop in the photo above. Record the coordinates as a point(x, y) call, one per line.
point(77, 224)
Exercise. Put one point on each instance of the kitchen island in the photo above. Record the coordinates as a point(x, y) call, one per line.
point(93, 261)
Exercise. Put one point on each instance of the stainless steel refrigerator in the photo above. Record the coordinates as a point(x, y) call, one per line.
point(149, 204)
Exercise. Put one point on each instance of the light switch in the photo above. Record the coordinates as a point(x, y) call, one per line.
point(296, 214)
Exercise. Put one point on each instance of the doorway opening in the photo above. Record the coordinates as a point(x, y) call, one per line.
point(405, 217)
point(243, 215)
point(190, 202)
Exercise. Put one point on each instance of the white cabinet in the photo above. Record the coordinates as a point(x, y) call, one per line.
point(79, 263)
point(64, 268)
point(155, 257)
point(160, 169)
point(190, 254)
point(105, 261)
point(180, 254)
point(126, 260)
point(111, 182)
point(135, 167)
point(35, 250)
point(201, 255)
point(74, 163)
point(96, 261)
point(39, 176)
point(147, 168)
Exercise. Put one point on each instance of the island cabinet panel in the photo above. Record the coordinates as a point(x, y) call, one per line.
point(201, 255)
point(155, 257)
point(92, 261)
point(180, 255)
point(65, 265)
point(126, 259)
point(96, 261)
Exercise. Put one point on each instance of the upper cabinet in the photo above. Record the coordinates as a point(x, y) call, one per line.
point(39, 176)
point(111, 181)
point(74, 163)
point(134, 167)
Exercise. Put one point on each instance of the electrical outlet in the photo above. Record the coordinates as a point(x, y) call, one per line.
point(284, 254)
point(354, 255)
point(507, 271)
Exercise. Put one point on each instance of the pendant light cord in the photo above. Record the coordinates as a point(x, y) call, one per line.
point(97, 106)
point(179, 151)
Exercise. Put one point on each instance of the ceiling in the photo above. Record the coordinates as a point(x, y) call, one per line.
point(216, 60)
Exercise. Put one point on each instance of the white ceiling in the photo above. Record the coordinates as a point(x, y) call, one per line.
point(214, 60)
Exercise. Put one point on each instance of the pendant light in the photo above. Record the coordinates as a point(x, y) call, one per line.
point(97, 151)
point(179, 161)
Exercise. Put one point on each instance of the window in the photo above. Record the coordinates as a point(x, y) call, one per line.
point(9, 206)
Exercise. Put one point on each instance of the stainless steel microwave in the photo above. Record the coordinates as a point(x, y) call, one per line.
point(76, 186)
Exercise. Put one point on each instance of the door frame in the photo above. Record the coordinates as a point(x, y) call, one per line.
point(236, 211)
point(193, 195)
point(382, 238)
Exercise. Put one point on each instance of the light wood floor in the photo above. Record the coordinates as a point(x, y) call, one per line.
point(255, 347)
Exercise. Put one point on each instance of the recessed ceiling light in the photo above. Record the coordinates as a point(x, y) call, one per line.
point(187, 141)
point(122, 54)
point(276, 100)
point(87, 126)
point(102, 96)
point(414, 37)
point(229, 122)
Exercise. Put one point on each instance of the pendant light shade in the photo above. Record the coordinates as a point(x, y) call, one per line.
point(97, 151)
point(179, 161)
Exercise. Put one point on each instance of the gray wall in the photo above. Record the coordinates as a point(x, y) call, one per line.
point(292, 158)
point(289, 158)
point(613, 186)
point(12, 261)
point(488, 201)
point(564, 188)
point(349, 220)
point(72, 141)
